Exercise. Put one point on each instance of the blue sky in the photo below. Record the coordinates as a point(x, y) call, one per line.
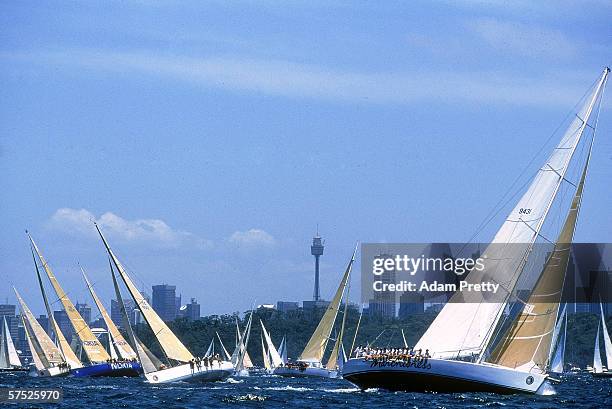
point(209, 138)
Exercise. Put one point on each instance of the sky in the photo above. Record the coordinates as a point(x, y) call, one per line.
point(209, 139)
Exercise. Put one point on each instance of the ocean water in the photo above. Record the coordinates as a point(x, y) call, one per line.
point(577, 391)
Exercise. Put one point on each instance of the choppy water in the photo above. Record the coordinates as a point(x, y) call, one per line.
point(580, 391)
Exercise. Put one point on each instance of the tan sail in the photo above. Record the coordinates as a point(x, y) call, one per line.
point(315, 348)
point(332, 362)
point(45, 350)
point(124, 349)
point(63, 344)
point(91, 344)
point(172, 346)
point(527, 343)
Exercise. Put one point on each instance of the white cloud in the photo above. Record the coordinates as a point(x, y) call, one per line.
point(252, 238)
point(156, 231)
point(523, 39)
point(297, 80)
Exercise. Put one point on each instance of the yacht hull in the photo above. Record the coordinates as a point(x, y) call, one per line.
point(602, 374)
point(218, 371)
point(306, 372)
point(435, 375)
point(49, 372)
point(19, 369)
point(113, 370)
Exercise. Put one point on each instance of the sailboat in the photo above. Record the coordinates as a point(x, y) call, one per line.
point(48, 359)
point(181, 363)
point(310, 361)
point(272, 359)
point(598, 369)
point(467, 351)
point(120, 351)
point(9, 359)
point(559, 337)
point(282, 350)
point(240, 357)
point(100, 362)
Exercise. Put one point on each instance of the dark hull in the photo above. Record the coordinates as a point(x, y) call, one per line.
point(422, 382)
point(13, 369)
point(123, 369)
point(602, 374)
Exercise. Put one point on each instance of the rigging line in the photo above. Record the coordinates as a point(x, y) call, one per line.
point(496, 208)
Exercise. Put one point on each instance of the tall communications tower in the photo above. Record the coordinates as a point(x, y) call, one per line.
point(316, 250)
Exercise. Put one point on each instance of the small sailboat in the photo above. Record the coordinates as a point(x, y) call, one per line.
point(240, 357)
point(122, 354)
point(9, 359)
point(469, 350)
point(181, 364)
point(559, 337)
point(598, 369)
point(271, 358)
point(282, 350)
point(48, 359)
point(211, 351)
point(100, 362)
point(310, 362)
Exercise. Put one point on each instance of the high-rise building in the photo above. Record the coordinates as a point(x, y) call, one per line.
point(164, 301)
point(317, 251)
point(62, 320)
point(411, 303)
point(130, 308)
point(85, 311)
point(191, 311)
point(43, 320)
point(8, 311)
point(384, 303)
point(286, 306)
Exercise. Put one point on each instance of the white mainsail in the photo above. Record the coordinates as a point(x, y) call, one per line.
point(90, 343)
point(117, 341)
point(557, 362)
point(8, 353)
point(466, 323)
point(606, 337)
point(597, 366)
point(275, 358)
point(315, 348)
point(211, 349)
point(64, 346)
point(227, 356)
point(282, 350)
point(266, 355)
point(171, 345)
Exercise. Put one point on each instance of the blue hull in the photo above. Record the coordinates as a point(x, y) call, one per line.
point(130, 369)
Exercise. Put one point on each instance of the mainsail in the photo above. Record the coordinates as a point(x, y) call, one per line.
point(45, 350)
point(118, 342)
point(557, 361)
point(8, 353)
point(315, 348)
point(606, 337)
point(91, 345)
point(467, 322)
point(282, 350)
point(528, 342)
point(337, 354)
point(171, 345)
point(227, 356)
point(64, 346)
point(266, 355)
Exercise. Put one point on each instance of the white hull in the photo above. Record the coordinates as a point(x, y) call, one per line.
point(306, 372)
point(218, 371)
point(443, 376)
point(53, 371)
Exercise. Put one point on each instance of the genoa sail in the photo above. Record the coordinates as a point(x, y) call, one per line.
point(508, 252)
point(171, 345)
point(118, 342)
point(315, 348)
point(91, 345)
point(528, 343)
point(275, 358)
point(597, 365)
point(557, 362)
point(282, 350)
point(606, 337)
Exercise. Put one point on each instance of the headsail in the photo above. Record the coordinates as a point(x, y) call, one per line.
point(227, 356)
point(91, 345)
point(315, 348)
point(282, 350)
point(275, 358)
point(172, 346)
point(64, 346)
point(337, 354)
point(528, 342)
point(471, 319)
point(557, 362)
point(117, 340)
point(46, 351)
point(13, 358)
point(266, 355)
point(597, 366)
